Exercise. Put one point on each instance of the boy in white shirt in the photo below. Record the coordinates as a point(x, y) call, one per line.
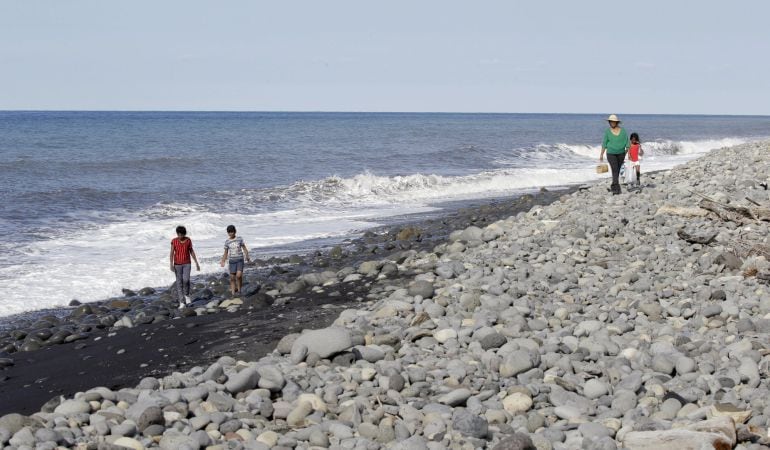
point(235, 254)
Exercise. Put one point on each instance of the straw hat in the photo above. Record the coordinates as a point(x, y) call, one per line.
point(613, 118)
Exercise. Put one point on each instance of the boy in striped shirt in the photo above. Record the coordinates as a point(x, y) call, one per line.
point(235, 253)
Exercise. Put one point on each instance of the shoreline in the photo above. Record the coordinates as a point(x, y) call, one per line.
point(593, 321)
point(22, 390)
point(300, 254)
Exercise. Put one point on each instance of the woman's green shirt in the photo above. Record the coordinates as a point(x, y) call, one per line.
point(615, 145)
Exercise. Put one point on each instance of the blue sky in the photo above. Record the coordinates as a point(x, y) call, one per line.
point(494, 56)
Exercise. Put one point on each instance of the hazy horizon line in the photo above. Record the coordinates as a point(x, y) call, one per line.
point(369, 112)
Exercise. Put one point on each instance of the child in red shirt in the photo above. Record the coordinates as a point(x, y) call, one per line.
point(635, 154)
point(181, 254)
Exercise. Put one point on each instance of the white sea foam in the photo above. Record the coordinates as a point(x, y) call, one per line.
point(131, 250)
point(657, 148)
point(97, 263)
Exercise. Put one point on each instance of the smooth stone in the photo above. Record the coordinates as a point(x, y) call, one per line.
point(422, 288)
point(368, 430)
point(296, 417)
point(662, 364)
point(298, 354)
point(284, 346)
point(47, 435)
point(144, 415)
point(369, 353)
point(624, 401)
point(670, 408)
point(517, 403)
point(412, 443)
point(493, 340)
point(516, 441)
point(592, 430)
point(470, 424)
point(594, 388)
point(22, 439)
point(270, 378)
point(244, 380)
point(515, 363)
point(442, 336)
point(176, 441)
point(14, 422)
point(72, 407)
point(269, 438)
point(128, 442)
point(685, 365)
point(711, 310)
point(567, 412)
point(325, 342)
point(455, 397)
point(220, 401)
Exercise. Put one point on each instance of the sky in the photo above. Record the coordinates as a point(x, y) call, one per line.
point(657, 57)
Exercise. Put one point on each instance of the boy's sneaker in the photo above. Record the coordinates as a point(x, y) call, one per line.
point(187, 300)
point(181, 306)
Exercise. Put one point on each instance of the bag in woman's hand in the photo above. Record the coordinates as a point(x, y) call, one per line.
point(602, 168)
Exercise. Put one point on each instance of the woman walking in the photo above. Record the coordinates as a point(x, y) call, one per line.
point(615, 144)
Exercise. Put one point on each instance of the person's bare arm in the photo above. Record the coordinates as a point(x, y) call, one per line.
point(245, 252)
point(195, 258)
point(224, 258)
point(171, 257)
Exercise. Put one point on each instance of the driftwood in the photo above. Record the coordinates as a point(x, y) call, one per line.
point(752, 201)
point(743, 249)
point(738, 214)
point(727, 213)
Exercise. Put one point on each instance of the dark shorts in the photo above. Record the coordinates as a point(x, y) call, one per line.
point(236, 265)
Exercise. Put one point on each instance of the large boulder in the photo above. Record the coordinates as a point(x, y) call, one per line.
point(325, 342)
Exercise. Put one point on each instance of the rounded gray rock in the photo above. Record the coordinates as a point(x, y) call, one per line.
point(285, 344)
point(515, 363)
point(325, 342)
point(270, 378)
point(662, 364)
point(71, 407)
point(244, 380)
point(594, 388)
point(470, 424)
point(685, 364)
point(516, 441)
point(493, 340)
point(422, 288)
point(144, 415)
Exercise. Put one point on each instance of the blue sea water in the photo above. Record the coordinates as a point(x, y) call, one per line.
point(89, 200)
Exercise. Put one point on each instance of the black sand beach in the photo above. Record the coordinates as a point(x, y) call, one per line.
point(121, 358)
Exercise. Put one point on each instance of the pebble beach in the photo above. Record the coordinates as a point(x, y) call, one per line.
point(580, 320)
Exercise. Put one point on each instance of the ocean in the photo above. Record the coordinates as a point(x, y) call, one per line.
point(90, 200)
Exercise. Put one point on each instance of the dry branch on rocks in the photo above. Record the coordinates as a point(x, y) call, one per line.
point(737, 214)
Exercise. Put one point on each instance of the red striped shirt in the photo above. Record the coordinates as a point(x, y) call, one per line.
point(181, 250)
